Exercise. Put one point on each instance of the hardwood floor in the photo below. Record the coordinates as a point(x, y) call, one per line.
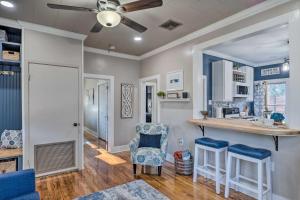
point(104, 170)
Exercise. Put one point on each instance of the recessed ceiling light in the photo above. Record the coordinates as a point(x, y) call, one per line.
point(137, 38)
point(7, 4)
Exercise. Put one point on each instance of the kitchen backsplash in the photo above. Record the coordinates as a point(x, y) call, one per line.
point(238, 102)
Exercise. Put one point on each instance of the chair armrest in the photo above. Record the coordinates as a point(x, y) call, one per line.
point(16, 184)
point(134, 144)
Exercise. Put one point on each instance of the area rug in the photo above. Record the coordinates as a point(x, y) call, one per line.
point(135, 190)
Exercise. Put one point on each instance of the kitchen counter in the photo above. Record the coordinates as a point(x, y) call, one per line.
point(245, 126)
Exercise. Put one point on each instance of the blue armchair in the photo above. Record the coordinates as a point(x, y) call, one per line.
point(18, 185)
point(148, 156)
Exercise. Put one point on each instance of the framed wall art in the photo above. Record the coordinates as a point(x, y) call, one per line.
point(175, 80)
point(127, 100)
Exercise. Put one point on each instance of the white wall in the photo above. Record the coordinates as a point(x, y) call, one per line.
point(124, 71)
point(286, 177)
point(293, 98)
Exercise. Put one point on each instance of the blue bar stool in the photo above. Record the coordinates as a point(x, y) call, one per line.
point(260, 157)
point(210, 145)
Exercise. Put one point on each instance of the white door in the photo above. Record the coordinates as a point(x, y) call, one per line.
point(53, 106)
point(103, 110)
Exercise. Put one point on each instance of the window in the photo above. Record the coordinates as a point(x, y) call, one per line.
point(276, 97)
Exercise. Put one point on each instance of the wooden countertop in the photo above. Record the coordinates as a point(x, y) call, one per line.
point(10, 153)
point(244, 126)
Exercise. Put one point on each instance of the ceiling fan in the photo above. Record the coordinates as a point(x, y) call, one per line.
point(110, 12)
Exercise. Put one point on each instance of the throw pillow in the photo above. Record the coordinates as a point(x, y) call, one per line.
point(147, 140)
point(11, 139)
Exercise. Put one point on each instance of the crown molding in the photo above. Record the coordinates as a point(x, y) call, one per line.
point(51, 30)
point(10, 23)
point(231, 58)
point(111, 53)
point(41, 28)
point(274, 62)
point(266, 5)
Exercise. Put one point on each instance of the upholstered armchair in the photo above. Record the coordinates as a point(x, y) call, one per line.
point(149, 156)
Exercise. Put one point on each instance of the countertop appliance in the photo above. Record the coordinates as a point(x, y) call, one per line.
point(240, 89)
point(231, 113)
point(219, 112)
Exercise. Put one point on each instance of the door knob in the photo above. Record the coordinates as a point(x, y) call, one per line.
point(75, 124)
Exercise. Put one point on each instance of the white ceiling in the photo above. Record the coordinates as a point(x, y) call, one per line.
point(193, 14)
point(264, 47)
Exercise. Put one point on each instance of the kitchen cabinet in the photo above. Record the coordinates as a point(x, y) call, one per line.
point(222, 77)
point(249, 81)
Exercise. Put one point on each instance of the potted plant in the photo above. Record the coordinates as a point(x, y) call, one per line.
point(278, 118)
point(161, 94)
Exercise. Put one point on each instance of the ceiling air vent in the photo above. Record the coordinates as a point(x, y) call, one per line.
point(170, 25)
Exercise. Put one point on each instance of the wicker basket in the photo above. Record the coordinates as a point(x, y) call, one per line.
point(8, 165)
point(11, 55)
point(184, 167)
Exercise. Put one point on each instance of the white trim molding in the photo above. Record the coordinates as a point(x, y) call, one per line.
point(10, 23)
point(170, 158)
point(111, 53)
point(118, 149)
point(86, 129)
point(51, 30)
point(111, 107)
point(142, 105)
point(41, 28)
point(228, 57)
point(275, 62)
point(266, 5)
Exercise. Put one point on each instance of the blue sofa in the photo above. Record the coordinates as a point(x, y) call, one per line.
point(18, 185)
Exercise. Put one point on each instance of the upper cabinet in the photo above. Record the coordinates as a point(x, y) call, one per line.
point(229, 83)
point(250, 81)
point(222, 76)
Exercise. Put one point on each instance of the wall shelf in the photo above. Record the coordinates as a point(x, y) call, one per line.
point(9, 61)
point(11, 43)
point(175, 100)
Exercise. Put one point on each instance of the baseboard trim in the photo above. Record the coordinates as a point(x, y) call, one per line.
point(118, 149)
point(170, 158)
point(90, 131)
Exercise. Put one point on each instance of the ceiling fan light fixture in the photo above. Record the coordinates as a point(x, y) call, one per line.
point(7, 4)
point(109, 18)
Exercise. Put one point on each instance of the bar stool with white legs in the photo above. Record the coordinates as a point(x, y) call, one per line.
point(260, 157)
point(215, 172)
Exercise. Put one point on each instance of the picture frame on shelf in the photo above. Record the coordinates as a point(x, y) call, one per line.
point(172, 95)
point(175, 80)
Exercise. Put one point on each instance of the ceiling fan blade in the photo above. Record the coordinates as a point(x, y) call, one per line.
point(66, 7)
point(141, 5)
point(134, 25)
point(96, 28)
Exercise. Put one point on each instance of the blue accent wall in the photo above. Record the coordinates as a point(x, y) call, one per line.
point(207, 71)
point(10, 99)
point(258, 77)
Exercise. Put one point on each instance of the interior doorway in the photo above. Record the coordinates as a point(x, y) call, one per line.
point(98, 110)
point(149, 104)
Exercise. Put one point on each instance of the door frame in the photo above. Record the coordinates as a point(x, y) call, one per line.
point(111, 106)
point(154, 101)
point(142, 84)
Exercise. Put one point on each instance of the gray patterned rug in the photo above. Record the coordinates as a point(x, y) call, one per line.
point(135, 190)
